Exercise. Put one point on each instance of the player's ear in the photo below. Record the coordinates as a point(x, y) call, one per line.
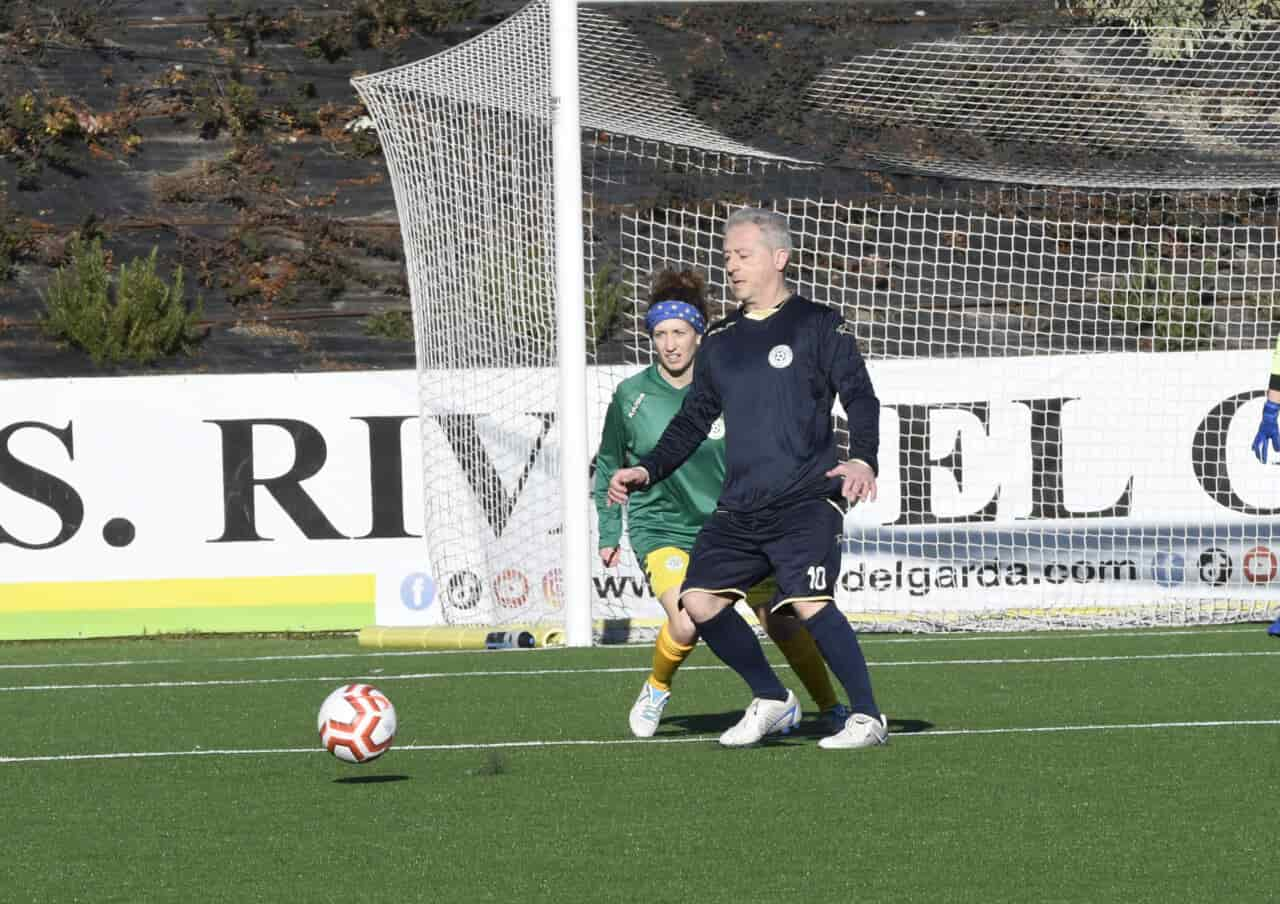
point(780, 258)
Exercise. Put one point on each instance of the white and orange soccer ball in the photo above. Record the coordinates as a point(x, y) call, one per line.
point(357, 723)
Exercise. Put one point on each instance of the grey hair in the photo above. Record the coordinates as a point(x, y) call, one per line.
point(773, 226)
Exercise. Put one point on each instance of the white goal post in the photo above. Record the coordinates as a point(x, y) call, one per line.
point(1059, 249)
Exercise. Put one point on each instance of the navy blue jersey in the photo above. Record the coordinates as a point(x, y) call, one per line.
point(774, 380)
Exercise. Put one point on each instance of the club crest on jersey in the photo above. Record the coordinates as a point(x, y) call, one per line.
point(780, 356)
point(717, 429)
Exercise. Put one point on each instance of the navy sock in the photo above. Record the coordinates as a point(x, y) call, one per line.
point(836, 639)
point(731, 638)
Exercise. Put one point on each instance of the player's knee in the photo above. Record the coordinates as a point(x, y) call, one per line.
point(682, 628)
point(807, 609)
point(702, 606)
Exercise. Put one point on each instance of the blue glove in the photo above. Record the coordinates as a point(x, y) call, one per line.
point(1267, 431)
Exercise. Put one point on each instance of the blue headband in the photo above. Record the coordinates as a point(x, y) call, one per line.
point(678, 310)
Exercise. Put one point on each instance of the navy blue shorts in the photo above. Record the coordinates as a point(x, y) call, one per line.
point(799, 545)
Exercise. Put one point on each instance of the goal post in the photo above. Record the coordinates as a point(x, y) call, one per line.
point(1059, 248)
point(566, 156)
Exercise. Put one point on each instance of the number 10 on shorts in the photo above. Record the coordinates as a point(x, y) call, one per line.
point(817, 577)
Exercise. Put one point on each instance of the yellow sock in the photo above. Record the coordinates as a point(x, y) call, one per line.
point(667, 656)
point(807, 662)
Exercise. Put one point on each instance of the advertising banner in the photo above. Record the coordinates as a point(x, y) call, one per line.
point(295, 502)
point(205, 503)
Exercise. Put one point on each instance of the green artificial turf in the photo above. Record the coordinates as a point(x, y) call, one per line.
point(545, 796)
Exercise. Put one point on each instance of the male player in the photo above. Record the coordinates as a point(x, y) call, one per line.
point(772, 369)
point(1269, 432)
point(664, 522)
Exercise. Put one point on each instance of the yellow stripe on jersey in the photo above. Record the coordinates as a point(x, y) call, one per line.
point(766, 313)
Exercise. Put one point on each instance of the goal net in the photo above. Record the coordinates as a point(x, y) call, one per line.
point(1058, 246)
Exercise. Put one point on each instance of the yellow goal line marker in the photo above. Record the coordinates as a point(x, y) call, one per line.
point(176, 593)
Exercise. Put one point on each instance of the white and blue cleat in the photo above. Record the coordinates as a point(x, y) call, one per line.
point(763, 717)
point(859, 731)
point(646, 712)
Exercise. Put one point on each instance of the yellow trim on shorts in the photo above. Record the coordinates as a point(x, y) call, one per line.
point(723, 591)
point(663, 577)
point(830, 598)
point(759, 595)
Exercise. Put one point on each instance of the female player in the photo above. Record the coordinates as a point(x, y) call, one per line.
point(663, 523)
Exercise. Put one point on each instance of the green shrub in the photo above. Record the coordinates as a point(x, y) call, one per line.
point(135, 317)
point(15, 239)
point(1152, 302)
point(1225, 18)
point(389, 325)
point(607, 300)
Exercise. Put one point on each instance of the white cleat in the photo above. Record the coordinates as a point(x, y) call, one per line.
point(763, 717)
point(860, 731)
point(646, 713)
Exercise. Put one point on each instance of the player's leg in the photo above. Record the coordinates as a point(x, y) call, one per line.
point(805, 553)
point(676, 639)
point(666, 569)
point(787, 631)
point(725, 562)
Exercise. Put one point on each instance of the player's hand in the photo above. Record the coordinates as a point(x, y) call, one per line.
point(609, 555)
point(1268, 431)
point(859, 480)
point(623, 481)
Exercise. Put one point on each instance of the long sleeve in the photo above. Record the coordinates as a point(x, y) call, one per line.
point(852, 383)
point(689, 427)
point(1275, 367)
point(612, 454)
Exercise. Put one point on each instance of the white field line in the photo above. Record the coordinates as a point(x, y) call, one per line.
point(865, 638)
point(613, 742)
point(380, 677)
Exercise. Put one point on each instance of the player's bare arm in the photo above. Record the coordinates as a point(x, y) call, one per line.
point(859, 480)
point(625, 480)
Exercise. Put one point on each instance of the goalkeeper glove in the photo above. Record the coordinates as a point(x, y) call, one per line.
point(1268, 432)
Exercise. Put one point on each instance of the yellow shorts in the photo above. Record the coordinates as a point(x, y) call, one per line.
point(666, 567)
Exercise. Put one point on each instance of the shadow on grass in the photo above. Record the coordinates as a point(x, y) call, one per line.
point(700, 723)
point(908, 726)
point(369, 779)
point(811, 727)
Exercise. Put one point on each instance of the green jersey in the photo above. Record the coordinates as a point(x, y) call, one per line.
point(669, 513)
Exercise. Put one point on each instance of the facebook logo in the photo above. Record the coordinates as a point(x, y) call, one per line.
point(1168, 569)
point(417, 591)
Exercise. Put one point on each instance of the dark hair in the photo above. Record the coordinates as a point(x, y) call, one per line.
point(679, 285)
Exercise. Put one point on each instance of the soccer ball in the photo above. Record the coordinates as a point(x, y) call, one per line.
point(357, 723)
